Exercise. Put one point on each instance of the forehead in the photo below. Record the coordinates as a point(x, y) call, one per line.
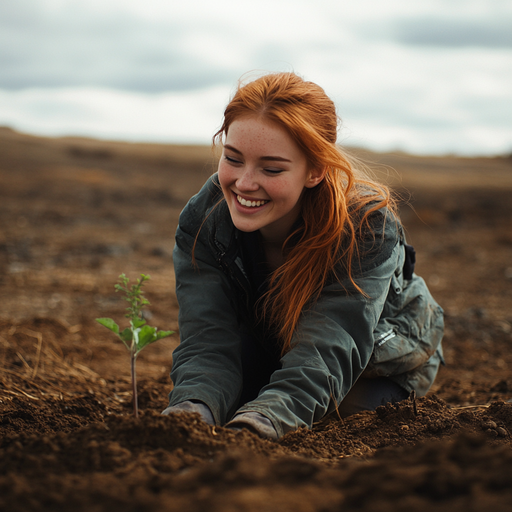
point(258, 134)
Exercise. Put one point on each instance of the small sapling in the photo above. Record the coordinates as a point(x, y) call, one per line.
point(139, 334)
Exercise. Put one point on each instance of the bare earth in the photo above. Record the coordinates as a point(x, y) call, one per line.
point(75, 213)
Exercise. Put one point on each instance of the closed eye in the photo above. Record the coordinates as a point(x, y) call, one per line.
point(231, 160)
point(273, 171)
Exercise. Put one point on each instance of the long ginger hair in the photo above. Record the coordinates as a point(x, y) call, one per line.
point(328, 234)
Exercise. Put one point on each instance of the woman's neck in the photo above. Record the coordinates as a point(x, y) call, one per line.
point(273, 250)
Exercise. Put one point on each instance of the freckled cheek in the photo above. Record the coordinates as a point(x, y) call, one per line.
point(284, 192)
point(225, 175)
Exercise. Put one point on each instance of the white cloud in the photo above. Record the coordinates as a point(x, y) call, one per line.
point(178, 117)
point(163, 70)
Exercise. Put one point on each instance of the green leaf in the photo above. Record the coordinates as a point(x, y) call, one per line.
point(135, 336)
point(126, 335)
point(138, 322)
point(109, 324)
point(147, 335)
point(163, 334)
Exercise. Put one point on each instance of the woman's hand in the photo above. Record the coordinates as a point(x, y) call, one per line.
point(192, 406)
point(255, 422)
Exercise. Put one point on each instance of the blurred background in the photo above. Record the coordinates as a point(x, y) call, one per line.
point(427, 77)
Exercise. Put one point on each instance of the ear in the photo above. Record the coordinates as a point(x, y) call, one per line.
point(314, 178)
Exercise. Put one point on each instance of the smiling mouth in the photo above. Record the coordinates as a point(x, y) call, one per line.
point(250, 204)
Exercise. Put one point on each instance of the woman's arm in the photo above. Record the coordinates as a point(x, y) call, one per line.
point(206, 364)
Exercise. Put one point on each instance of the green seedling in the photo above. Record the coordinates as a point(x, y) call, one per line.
point(139, 334)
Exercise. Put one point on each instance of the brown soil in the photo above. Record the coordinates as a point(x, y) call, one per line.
point(75, 213)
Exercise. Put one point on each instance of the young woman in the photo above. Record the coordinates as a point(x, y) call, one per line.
point(296, 287)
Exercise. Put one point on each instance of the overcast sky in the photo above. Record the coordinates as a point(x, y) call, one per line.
point(425, 76)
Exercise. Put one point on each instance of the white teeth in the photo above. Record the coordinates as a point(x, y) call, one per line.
point(250, 204)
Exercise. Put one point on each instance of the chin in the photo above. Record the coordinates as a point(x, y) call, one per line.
point(242, 226)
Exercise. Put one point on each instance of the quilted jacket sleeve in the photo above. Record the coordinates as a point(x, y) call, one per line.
point(207, 363)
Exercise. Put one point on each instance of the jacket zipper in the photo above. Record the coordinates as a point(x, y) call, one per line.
point(232, 270)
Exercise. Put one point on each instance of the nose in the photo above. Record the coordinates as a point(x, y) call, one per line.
point(246, 181)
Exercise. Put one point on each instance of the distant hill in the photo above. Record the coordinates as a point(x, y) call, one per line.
point(457, 185)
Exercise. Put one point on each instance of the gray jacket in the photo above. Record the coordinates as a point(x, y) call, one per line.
point(396, 331)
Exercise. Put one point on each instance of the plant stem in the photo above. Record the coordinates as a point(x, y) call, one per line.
point(134, 385)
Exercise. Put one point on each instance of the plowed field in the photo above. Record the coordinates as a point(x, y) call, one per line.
point(75, 213)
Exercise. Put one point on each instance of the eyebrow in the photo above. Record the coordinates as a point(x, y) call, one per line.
point(266, 158)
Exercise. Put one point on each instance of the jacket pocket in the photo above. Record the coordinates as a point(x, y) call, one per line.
point(409, 331)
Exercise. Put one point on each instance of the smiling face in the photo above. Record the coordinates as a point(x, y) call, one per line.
point(263, 173)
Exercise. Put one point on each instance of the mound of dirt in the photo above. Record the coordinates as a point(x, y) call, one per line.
point(410, 455)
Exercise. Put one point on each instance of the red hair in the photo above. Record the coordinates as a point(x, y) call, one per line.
point(328, 234)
